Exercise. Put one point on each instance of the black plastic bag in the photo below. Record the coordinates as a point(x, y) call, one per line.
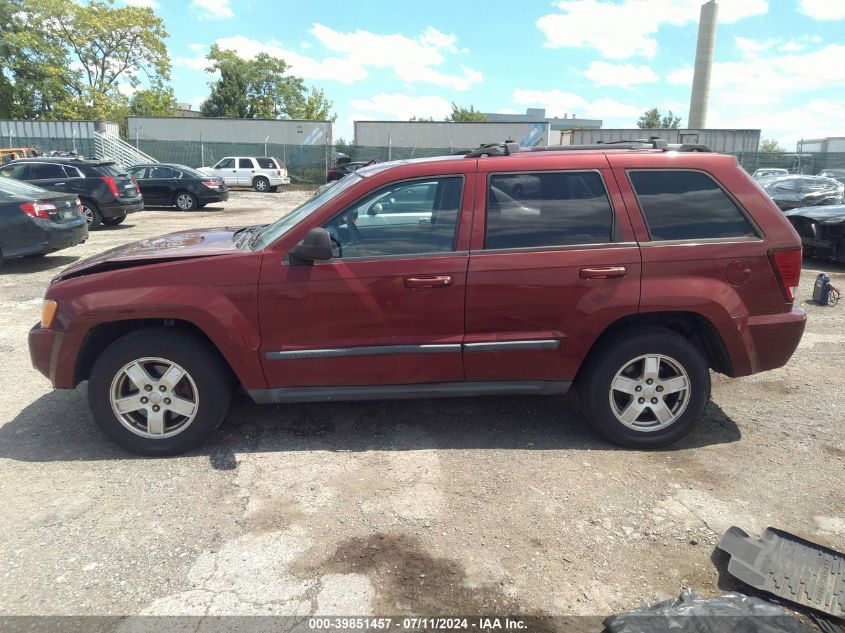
point(731, 612)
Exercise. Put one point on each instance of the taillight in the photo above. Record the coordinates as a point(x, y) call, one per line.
point(278, 172)
point(79, 206)
point(787, 265)
point(137, 186)
point(111, 184)
point(38, 209)
point(211, 184)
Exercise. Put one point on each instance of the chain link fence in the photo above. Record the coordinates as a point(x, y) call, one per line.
point(308, 164)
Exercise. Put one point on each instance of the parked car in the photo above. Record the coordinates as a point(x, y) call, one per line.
point(262, 173)
point(767, 172)
point(822, 230)
point(630, 276)
point(177, 185)
point(790, 192)
point(836, 174)
point(34, 221)
point(343, 168)
point(107, 193)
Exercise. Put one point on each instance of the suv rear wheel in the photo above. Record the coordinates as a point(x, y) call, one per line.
point(92, 214)
point(158, 391)
point(261, 184)
point(646, 388)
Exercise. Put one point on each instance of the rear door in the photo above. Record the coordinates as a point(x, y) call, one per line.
point(547, 272)
point(160, 184)
point(245, 172)
point(48, 175)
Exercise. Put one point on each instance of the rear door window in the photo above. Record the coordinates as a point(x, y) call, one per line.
point(529, 210)
point(44, 171)
point(244, 163)
point(18, 171)
point(687, 205)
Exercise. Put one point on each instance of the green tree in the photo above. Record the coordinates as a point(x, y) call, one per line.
point(156, 101)
point(653, 119)
point(260, 88)
point(68, 60)
point(770, 146)
point(465, 114)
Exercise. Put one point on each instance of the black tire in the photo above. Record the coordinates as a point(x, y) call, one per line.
point(622, 350)
point(185, 201)
point(210, 377)
point(92, 213)
point(261, 184)
point(114, 221)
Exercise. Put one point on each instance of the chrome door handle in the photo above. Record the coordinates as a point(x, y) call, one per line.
point(603, 272)
point(439, 281)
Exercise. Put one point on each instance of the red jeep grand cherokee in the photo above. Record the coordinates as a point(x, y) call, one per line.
point(627, 270)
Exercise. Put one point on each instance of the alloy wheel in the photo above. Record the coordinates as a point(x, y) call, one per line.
point(154, 398)
point(184, 201)
point(650, 392)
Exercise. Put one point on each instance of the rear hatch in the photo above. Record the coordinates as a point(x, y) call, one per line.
point(273, 165)
point(120, 182)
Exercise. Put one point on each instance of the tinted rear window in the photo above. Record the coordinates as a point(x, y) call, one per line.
point(547, 209)
point(687, 205)
point(109, 169)
point(266, 163)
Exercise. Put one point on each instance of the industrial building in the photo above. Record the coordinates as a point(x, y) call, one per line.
point(828, 145)
point(47, 136)
point(538, 115)
point(725, 141)
point(214, 130)
point(449, 135)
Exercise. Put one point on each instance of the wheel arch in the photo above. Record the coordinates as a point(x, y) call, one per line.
point(693, 326)
point(101, 336)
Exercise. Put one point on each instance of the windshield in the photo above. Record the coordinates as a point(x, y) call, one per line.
point(10, 187)
point(270, 233)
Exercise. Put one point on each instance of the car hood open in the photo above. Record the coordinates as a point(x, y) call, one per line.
point(830, 213)
point(173, 246)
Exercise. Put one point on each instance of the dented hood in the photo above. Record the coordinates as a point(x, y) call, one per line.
point(173, 246)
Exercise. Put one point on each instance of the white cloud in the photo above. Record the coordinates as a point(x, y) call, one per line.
point(823, 9)
point(557, 103)
point(197, 48)
point(750, 46)
point(627, 28)
point(127, 89)
point(411, 59)
point(401, 106)
point(146, 4)
point(211, 9)
point(768, 79)
point(620, 75)
point(198, 62)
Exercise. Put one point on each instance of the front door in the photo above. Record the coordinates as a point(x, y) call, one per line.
point(227, 170)
point(387, 309)
point(549, 270)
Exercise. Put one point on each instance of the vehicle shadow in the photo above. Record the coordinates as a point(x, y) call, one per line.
point(210, 207)
point(113, 227)
point(58, 427)
point(36, 264)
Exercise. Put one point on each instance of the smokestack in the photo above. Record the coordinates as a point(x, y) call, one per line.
point(703, 65)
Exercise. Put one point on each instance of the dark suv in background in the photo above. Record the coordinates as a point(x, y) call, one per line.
point(106, 191)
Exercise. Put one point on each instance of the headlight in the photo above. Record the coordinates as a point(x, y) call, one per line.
point(48, 312)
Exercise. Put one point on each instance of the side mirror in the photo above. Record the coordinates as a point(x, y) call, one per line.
point(316, 245)
point(375, 209)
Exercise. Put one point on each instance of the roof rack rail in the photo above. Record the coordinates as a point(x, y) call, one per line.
point(510, 147)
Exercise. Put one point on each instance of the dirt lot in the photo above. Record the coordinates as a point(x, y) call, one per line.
point(463, 506)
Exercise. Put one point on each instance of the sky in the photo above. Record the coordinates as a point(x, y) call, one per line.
point(779, 64)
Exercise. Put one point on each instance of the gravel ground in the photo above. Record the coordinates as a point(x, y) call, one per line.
point(469, 506)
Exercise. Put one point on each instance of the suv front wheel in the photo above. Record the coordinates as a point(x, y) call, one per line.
point(158, 391)
point(647, 388)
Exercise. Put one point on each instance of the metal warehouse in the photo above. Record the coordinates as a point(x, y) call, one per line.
point(213, 130)
point(724, 141)
point(439, 134)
